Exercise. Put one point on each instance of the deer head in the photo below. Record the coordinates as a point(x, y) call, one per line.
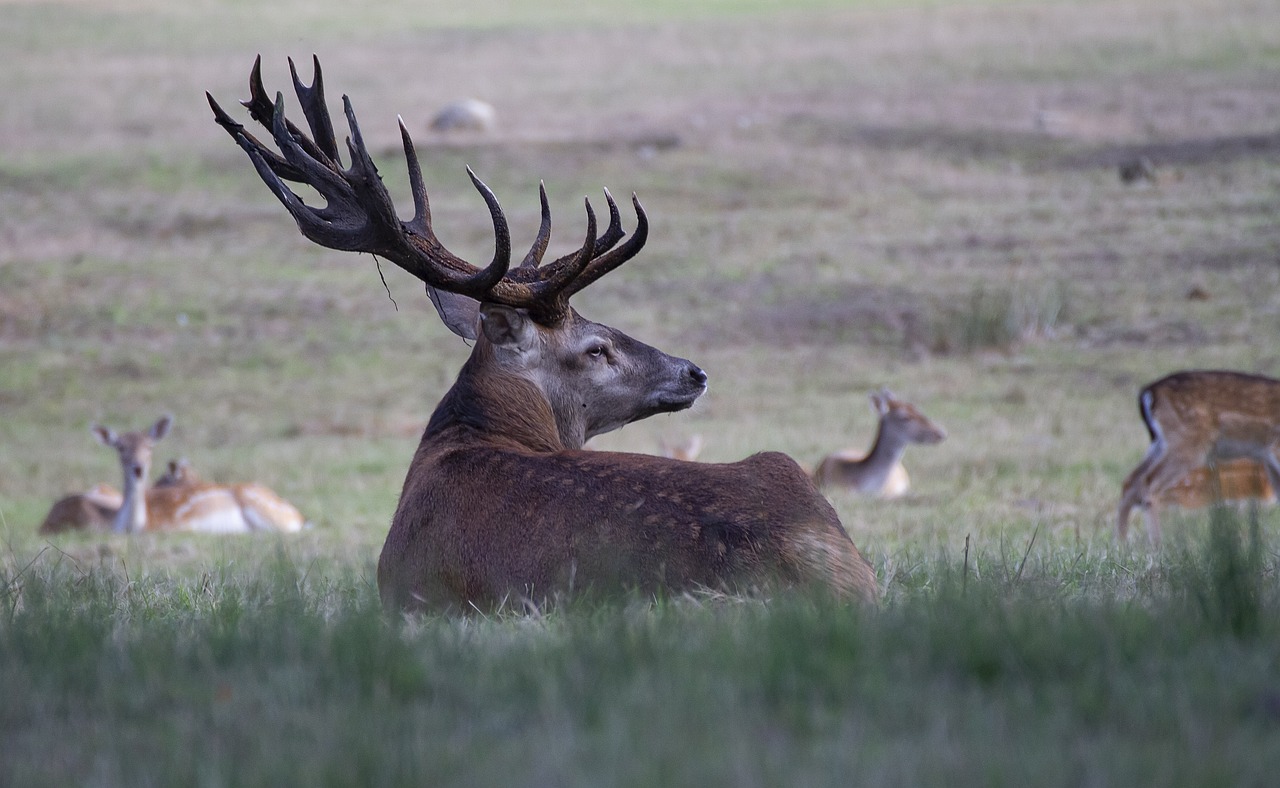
point(904, 421)
point(134, 450)
point(593, 378)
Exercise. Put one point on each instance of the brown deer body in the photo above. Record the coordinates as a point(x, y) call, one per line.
point(181, 500)
point(92, 510)
point(880, 471)
point(1229, 480)
point(501, 503)
point(1198, 419)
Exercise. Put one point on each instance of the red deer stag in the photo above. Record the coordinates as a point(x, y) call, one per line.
point(880, 471)
point(1197, 419)
point(500, 503)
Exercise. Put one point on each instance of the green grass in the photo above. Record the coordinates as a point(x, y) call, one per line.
point(994, 675)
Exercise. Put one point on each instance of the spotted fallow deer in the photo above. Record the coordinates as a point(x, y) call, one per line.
point(1198, 419)
point(223, 508)
point(182, 502)
point(501, 504)
point(880, 471)
point(96, 508)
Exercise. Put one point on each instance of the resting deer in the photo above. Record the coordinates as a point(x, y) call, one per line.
point(500, 502)
point(182, 502)
point(229, 508)
point(1198, 419)
point(92, 510)
point(880, 471)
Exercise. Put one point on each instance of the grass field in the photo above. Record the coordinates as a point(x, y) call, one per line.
point(843, 196)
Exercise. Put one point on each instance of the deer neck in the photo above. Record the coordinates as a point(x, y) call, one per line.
point(885, 453)
point(489, 405)
point(132, 515)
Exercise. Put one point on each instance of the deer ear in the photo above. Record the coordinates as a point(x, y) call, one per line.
point(880, 401)
point(160, 428)
point(506, 326)
point(459, 313)
point(105, 435)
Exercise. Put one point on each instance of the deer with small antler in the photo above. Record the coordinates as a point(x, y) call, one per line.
point(500, 502)
point(1213, 437)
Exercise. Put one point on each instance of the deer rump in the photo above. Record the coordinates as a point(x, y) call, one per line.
point(661, 524)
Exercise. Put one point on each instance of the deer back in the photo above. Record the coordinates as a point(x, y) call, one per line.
point(94, 510)
point(481, 524)
point(1217, 411)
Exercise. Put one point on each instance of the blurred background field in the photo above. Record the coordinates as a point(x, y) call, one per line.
point(920, 196)
point(843, 196)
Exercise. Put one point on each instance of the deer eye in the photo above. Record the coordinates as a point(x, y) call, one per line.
point(598, 351)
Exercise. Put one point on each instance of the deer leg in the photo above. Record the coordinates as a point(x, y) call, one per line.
point(1166, 471)
point(1272, 465)
point(1136, 488)
point(1153, 523)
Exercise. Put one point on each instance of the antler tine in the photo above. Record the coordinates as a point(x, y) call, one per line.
point(420, 225)
point(534, 258)
point(359, 214)
point(262, 109)
point(421, 254)
point(270, 165)
point(421, 221)
point(238, 133)
point(603, 264)
point(606, 241)
point(502, 234)
point(614, 233)
point(311, 97)
point(553, 281)
point(347, 222)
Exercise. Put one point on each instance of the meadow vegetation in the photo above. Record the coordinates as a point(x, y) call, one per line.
point(843, 196)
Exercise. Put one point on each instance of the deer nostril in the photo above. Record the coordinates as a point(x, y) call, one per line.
point(697, 374)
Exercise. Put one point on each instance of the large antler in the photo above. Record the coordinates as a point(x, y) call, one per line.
point(359, 215)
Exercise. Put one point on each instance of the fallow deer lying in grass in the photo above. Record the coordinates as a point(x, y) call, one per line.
point(230, 508)
point(95, 509)
point(500, 502)
point(92, 510)
point(1199, 419)
point(183, 502)
point(880, 471)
